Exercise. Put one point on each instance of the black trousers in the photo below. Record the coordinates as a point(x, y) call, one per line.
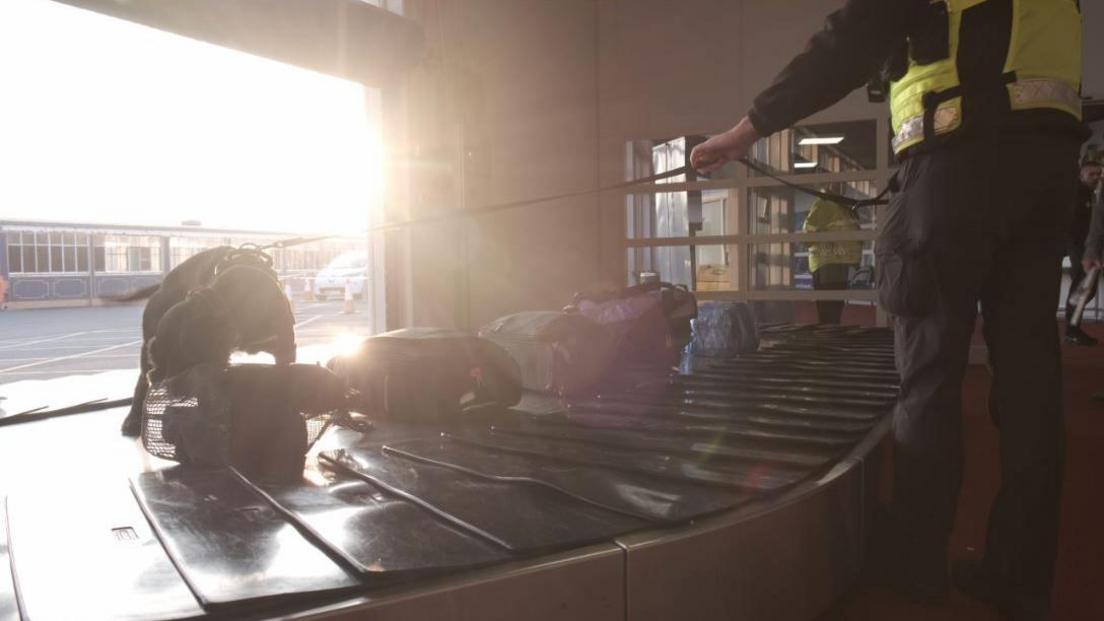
point(831, 277)
point(984, 222)
point(1077, 273)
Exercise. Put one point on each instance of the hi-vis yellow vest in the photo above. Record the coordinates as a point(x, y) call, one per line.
point(826, 215)
point(1042, 70)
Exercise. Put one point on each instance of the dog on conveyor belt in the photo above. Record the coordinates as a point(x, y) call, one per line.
point(213, 303)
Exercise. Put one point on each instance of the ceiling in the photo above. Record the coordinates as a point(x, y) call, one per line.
point(345, 38)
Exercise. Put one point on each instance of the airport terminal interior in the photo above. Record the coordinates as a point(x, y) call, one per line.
point(421, 309)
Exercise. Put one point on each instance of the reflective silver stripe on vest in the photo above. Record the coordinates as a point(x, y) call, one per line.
point(1022, 93)
point(1034, 91)
point(913, 127)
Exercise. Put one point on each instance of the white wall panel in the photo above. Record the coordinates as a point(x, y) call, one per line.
point(514, 115)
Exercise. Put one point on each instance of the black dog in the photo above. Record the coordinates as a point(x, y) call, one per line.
point(217, 301)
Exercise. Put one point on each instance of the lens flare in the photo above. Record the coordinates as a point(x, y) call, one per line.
point(346, 343)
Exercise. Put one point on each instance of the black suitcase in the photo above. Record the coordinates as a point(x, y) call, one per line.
point(429, 374)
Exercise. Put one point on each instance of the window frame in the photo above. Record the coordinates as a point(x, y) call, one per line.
point(742, 241)
point(41, 243)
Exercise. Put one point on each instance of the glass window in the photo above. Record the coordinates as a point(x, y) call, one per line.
point(15, 259)
point(41, 252)
point(29, 263)
point(679, 214)
point(395, 6)
point(707, 267)
point(349, 260)
point(773, 266)
point(669, 263)
point(786, 266)
point(743, 202)
point(781, 209)
point(805, 149)
point(183, 248)
point(128, 253)
point(134, 259)
point(42, 256)
point(642, 160)
point(822, 148)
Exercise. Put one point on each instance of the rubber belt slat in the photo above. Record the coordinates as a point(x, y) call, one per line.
point(90, 554)
point(229, 545)
point(520, 518)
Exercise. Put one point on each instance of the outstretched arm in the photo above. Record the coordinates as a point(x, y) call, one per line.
point(854, 43)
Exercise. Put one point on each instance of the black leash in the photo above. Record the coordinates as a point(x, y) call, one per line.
point(494, 207)
point(851, 203)
point(42, 413)
point(253, 253)
point(293, 241)
point(479, 211)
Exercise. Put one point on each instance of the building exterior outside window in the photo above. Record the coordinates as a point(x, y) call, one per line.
point(183, 248)
point(77, 264)
point(47, 252)
point(117, 254)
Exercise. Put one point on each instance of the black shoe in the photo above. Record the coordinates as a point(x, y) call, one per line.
point(1076, 337)
point(971, 578)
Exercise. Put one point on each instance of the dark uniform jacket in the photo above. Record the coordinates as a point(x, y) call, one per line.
point(857, 41)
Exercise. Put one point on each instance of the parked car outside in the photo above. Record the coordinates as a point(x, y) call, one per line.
point(348, 267)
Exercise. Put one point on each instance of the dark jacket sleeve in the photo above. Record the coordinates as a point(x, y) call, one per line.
point(1094, 242)
point(854, 43)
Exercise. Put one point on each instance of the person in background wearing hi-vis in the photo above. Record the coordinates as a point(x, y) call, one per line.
point(3, 294)
point(831, 262)
point(1093, 244)
point(1081, 236)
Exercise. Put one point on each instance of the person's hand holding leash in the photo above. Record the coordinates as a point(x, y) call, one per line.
point(723, 148)
point(1089, 264)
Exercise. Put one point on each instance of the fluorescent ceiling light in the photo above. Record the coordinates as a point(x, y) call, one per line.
point(805, 165)
point(811, 140)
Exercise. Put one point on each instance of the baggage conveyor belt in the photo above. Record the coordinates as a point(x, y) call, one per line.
point(402, 508)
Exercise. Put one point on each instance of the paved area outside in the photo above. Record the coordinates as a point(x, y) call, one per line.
point(49, 343)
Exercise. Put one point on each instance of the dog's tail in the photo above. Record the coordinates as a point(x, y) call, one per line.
point(138, 294)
